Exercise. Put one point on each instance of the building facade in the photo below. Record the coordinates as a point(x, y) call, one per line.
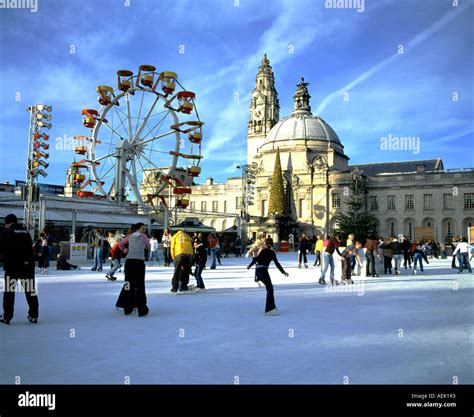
point(317, 174)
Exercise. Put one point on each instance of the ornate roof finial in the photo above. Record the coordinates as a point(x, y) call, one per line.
point(301, 99)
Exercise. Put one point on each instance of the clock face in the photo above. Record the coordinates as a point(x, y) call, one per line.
point(258, 114)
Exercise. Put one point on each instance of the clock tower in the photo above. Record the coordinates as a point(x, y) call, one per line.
point(264, 109)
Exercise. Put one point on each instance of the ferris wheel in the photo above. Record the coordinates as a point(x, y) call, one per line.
point(144, 143)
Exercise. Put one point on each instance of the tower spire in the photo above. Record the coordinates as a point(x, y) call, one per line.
point(301, 99)
point(264, 108)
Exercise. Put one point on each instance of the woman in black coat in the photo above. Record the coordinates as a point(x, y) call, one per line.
point(263, 260)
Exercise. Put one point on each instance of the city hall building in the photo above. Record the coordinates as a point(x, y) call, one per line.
point(316, 173)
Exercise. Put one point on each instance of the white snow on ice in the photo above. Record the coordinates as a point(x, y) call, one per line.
point(408, 329)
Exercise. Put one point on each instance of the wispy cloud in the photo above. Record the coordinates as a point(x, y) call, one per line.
point(412, 43)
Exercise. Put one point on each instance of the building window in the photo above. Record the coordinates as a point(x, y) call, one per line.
point(410, 231)
point(225, 206)
point(374, 204)
point(409, 202)
point(215, 206)
point(238, 203)
point(468, 200)
point(449, 230)
point(203, 206)
point(447, 201)
point(428, 201)
point(392, 229)
point(301, 204)
point(336, 201)
point(264, 208)
point(192, 206)
point(390, 202)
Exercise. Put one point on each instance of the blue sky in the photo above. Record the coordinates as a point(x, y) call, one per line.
point(337, 50)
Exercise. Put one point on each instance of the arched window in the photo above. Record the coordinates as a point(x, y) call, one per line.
point(391, 227)
point(409, 228)
point(449, 229)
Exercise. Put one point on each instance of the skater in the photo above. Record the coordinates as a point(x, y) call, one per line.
point(133, 292)
point(218, 246)
point(302, 250)
point(318, 248)
point(407, 253)
point(116, 254)
point(98, 250)
point(213, 245)
point(166, 241)
point(387, 256)
point(19, 265)
point(347, 255)
point(396, 246)
point(462, 252)
point(182, 254)
point(154, 250)
point(238, 247)
point(63, 265)
point(350, 242)
point(418, 256)
point(371, 247)
point(333, 243)
point(263, 260)
point(43, 253)
point(199, 259)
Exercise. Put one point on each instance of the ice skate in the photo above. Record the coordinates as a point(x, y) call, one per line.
point(273, 312)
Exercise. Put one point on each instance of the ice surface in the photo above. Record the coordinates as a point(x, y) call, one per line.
point(408, 329)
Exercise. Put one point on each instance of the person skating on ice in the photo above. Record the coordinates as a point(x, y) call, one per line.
point(16, 251)
point(199, 259)
point(263, 260)
point(182, 254)
point(133, 292)
point(63, 265)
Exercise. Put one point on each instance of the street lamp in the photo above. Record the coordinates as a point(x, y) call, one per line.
point(321, 164)
point(37, 139)
point(249, 178)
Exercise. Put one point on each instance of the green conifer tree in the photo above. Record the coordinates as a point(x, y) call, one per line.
point(277, 190)
point(358, 220)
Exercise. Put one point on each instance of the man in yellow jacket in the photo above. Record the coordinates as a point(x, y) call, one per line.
point(181, 253)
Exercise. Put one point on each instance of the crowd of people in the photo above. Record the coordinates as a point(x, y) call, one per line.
point(183, 252)
point(390, 252)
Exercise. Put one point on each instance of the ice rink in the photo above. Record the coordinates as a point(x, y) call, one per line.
point(407, 329)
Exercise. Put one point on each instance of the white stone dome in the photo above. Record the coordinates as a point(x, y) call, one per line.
point(299, 127)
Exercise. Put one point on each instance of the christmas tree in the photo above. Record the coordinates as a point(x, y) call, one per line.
point(277, 190)
point(358, 220)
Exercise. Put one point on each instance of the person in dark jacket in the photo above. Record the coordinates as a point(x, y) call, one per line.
point(407, 252)
point(263, 260)
point(63, 265)
point(16, 250)
point(199, 259)
point(303, 247)
point(396, 246)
